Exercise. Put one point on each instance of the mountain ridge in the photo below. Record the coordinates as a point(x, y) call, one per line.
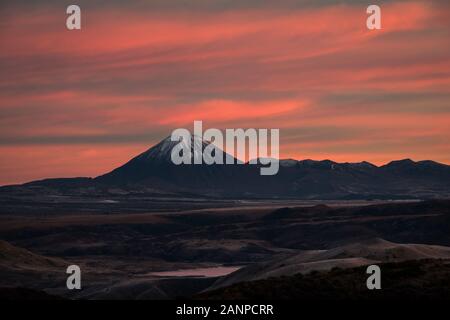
point(152, 170)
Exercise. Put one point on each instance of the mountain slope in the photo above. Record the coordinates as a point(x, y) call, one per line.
point(16, 258)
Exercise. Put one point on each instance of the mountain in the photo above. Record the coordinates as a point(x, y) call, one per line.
point(152, 172)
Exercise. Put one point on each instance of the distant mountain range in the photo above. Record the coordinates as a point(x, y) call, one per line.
point(152, 172)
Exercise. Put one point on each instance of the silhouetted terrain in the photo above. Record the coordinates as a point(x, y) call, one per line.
point(152, 175)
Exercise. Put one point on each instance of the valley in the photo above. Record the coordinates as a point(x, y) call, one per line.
point(169, 254)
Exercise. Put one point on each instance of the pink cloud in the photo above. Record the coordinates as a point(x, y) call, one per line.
point(131, 73)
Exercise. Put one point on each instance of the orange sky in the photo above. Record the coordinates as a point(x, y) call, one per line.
point(79, 103)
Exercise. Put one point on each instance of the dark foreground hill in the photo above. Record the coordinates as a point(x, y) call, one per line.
point(409, 280)
point(362, 253)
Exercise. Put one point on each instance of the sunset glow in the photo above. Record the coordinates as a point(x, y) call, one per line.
point(80, 103)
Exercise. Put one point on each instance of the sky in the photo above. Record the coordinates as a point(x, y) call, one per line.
point(82, 102)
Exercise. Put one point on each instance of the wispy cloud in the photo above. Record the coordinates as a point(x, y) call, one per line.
point(137, 71)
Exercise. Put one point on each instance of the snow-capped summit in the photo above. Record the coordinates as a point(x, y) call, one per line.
point(163, 150)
